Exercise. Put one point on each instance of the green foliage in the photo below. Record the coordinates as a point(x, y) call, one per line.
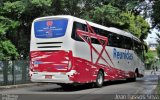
point(72, 7)
point(16, 17)
point(156, 14)
point(105, 15)
point(158, 47)
point(7, 27)
point(7, 24)
point(150, 59)
point(136, 25)
point(108, 15)
point(16, 7)
point(41, 3)
point(158, 50)
point(7, 51)
point(124, 5)
point(149, 56)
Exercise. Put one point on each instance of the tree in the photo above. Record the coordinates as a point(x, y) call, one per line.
point(158, 50)
point(110, 16)
point(158, 47)
point(136, 25)
point(156, 21)
point(7, 49)
point(156, 15)
point(124, 5)
point(149, 58)
point(106, 15)
point(19, 14)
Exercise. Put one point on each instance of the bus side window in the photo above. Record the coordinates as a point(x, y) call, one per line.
point(95, 41)
point(128, 43)
point(138, 48)
point(120, 41)
point(85, 28)
point(96, 30)
point(110, 39)
point(74, 33)
point(114, 40)
point(102, 33)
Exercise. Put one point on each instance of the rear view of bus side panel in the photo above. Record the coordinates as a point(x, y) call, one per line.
point(82, 51)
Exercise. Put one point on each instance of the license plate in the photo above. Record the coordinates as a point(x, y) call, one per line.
point(48, 76)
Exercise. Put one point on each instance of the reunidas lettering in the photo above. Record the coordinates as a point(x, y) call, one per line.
point(122, 55)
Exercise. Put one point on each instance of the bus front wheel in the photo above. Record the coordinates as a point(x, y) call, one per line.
point(99, 79)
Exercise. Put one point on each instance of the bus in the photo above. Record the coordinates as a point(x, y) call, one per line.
point(68, 50)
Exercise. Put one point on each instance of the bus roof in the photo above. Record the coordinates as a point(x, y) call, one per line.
point(110, 29)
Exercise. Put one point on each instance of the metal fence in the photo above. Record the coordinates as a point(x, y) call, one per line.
point(14, 72)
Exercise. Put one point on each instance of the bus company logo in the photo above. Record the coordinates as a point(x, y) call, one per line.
point(49, 23)
point(37, 62)
point(122, 55)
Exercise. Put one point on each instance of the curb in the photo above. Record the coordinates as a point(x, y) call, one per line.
point(21, 85)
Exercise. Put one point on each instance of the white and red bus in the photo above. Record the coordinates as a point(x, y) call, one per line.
point(66, 50)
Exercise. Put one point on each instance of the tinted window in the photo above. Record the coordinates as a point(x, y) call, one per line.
point(79, 26)
point(138, 48)
point(120, 41)
point(128, 44)
point(114, 40)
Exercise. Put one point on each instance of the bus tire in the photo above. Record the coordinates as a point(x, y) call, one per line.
point(99, 79)
point(132, 79)
point(136, 73)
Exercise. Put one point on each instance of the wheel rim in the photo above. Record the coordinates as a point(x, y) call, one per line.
point(100, 79)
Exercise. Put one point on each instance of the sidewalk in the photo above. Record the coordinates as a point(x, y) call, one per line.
point(148, 72)
point(20, 85)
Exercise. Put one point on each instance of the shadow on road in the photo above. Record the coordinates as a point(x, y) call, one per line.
point(146, 80)
point(82, 87)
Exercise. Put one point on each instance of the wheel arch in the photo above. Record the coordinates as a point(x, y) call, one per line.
point(102, 72)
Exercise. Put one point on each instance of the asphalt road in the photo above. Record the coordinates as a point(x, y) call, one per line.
point(116, 90)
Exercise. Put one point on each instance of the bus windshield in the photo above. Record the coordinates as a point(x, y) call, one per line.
point(50, 28)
